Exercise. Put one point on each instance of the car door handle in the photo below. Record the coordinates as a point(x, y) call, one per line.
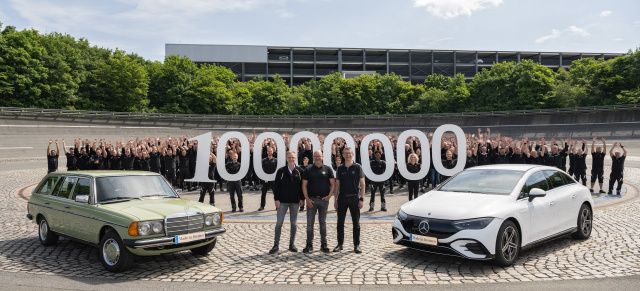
point(552, 202)
point(573, 196)
point(46, 203)
point(67, 207)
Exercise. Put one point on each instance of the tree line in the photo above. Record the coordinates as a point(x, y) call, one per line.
point(56, 70)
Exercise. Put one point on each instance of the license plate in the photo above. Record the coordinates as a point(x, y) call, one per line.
point(427, 240)
point(185, 238)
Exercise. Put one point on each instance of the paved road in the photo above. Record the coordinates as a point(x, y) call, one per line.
point(241, 256)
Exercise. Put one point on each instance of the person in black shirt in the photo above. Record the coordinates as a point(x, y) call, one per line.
point(483, 156)
point(83, 160)
point(413, 167)
point(350, 189)
point(287, 193)
point(303, 168)
point(183, 161)
point(170, 164)
point(580, 165)
point(318, 185)
point(96, 161)
point(449, 162)
point(269, 166)
point(533, 157)
point(144, 162)
point(71, 157)
point(617, 168)
point(52, 157)
point(113, 160)
point(127, 158)
point(517, 156)
point(154, 159)
point(472, 157)
point(597, 164)
point(378, 167)
point(234, 187)
point(209, 186)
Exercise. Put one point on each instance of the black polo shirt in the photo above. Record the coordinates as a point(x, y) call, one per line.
point(597, 160)
point(349, 178)
point(617, 164)
point(378, 167)
point(318, 180)
point(269, 166)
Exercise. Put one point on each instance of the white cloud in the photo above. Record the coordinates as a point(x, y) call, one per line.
point(284, 14)
point(605, 13)
point(636, 23)
point(571, 30)
point(453, 8)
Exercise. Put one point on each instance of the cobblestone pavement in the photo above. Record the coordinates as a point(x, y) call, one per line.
point(241, 257)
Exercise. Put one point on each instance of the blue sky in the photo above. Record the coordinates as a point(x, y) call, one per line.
point(144, 26)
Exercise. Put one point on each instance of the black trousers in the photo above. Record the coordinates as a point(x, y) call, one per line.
point(265, 189)
point(613, 178)
point(184, 174)
point(171, 176)
point(597, 174)
point(235, 187)
point(207, 188)
point(374, 186)
point(413, 189)
point(350, 203)
point(582, 174)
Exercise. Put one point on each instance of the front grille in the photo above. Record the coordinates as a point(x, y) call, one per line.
point(437, 227)
point(183, 223)
point(440, 249)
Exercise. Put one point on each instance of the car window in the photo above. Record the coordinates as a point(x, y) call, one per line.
point(567, 179)
point(82, 188)
point(555, 178)
point(47, 186)
point(120, 188)
point(483, 181)
point(537, 180)
point(67, 187)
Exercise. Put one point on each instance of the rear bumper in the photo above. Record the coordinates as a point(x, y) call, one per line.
point(164, 241)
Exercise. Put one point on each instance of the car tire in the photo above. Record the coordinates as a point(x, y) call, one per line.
point(507, 244)
point(46, 236)
point(114, 255)
point(205, 249)
point(585, 223)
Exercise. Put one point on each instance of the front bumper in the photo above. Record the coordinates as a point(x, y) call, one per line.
point(470, 244)
point(165, 241)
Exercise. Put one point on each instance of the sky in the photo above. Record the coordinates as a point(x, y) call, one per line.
point(145, 26)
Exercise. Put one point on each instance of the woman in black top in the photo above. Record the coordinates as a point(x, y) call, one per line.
point(413, 167)
point(449, 162)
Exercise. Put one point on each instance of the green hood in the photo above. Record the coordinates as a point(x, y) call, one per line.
point(157, 209)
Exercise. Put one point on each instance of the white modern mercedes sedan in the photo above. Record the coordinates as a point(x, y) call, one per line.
point(493, 212)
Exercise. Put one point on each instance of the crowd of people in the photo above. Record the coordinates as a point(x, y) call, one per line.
point(300, 183)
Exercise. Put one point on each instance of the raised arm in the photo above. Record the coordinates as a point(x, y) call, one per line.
point(611, 150)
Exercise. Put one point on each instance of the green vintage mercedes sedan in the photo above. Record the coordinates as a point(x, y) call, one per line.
point(123, 213)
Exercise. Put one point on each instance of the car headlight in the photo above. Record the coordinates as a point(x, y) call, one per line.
point(150, 227)
point(213, 219)
point(401, 215)
point(477, 223)
point(208, 220)
point(217, 218)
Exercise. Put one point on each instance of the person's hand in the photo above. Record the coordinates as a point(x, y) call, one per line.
point(309, 202)
point(615, 143)
point(50, 141)
point(326, 198)
point(603, 139)
point(360, 204)
point(63, 140)
point(56, 141)
point(300, 203)
point(277, 204)
point(594, 139)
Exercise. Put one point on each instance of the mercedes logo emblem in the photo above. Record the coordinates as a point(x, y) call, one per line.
point(423, 227)
point(186, 209)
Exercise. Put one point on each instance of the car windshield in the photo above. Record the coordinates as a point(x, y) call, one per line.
point(484, 181)
point(124, 188)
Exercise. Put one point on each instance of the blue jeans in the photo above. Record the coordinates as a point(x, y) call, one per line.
point(293, 217)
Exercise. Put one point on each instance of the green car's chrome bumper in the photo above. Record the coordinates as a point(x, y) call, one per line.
point(163, 241)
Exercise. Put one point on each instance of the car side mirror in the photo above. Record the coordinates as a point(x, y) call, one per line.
point(536, 192)
point(82, 198)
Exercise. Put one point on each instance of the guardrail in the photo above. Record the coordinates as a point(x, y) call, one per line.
point(200, 117)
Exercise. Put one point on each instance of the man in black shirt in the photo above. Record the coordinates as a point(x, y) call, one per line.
point(233, 167)
point(597, 164)
point(170, 164)
point(52, 157)
point(378, 166)
point(617, 168)
point(126, 160)
point(209, 186)
point(71, 156)
point(154, 159)
point(287, 193)
point(349, 195)
point(185, 173)
point(269, 165)
point(318, 185)
point(580, 165)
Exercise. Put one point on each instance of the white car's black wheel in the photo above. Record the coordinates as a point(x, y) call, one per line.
point(585, 223)
point(205, 249)
point(507, 244)
point(113, 254)
point(46, 236)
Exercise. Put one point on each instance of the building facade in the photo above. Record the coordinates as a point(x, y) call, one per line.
point(297, 65)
